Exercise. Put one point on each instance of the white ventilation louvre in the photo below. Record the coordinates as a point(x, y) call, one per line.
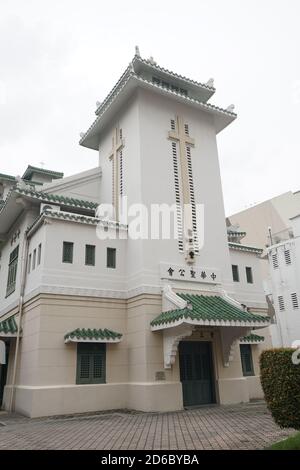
point(281, 302)
point(287, 257)
point(186, 129)
point(295, 300)
point(275, 261)
point(177, 194)
point(192, 196)
point(172, 124)
point(121, 174)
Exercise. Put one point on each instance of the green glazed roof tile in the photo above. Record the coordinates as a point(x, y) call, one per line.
point(68, 201)
point(34, 169)
point(252, 338)
point(85, 334)
point(8, 327)
point(204, 308)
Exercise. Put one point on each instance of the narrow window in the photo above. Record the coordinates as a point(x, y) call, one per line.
point(173, 124)
point(295, 300)
point(281, 302)
point(91, 363)
point(287, 257)
point(67, 256)
point(275, 261)
point(12, 271)
point(246, 359)
point(111, 258)
point(235, 273)
point(90, 255)
point(39, 254)
point(33, 259)
point(249, 275)
point(29, 263)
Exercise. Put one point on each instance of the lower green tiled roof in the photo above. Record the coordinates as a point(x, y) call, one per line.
point(9, 327)
point(64, 200)
point(93, 335)
point(252, 338)
point(209, 310)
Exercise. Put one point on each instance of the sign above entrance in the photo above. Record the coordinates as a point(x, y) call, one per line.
point(188, 273)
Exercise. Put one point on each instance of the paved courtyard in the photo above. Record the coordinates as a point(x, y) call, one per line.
point(245, 426)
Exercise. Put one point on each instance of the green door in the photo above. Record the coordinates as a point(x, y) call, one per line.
point(196, 372)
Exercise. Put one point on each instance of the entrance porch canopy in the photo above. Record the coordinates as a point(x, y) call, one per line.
point(210, 311)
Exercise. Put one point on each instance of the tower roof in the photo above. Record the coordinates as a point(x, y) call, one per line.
point(147, 74)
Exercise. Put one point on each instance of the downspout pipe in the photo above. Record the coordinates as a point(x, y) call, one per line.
point(20, 312)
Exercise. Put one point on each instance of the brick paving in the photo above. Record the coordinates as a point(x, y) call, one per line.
point(244, 426)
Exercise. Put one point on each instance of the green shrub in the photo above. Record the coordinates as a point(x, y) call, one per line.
point(280, 380)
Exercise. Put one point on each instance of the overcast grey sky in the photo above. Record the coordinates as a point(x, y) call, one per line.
point(57, 58)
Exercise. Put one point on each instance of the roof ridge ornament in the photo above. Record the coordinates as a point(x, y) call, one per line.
point(137, 51)
point(152, 61)
point(210, 83)
point(230, 108)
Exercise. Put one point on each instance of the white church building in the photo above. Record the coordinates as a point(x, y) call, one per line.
point(90, 323)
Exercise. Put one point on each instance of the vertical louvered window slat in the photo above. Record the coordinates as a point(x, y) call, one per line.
point(275, 261)
point(295, 302)
point(177, 192)
point(281, 302)
point(287, 257)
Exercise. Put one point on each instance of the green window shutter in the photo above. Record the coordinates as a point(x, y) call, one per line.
point(12, 271)
point(235, 273)
point(84, 369)
point(90, 255)
point(111, 257)
point(246, 359)
point(67, 252)
point(249, 275)
point(91, 363)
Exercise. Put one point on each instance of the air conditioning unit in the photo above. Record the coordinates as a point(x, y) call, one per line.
point(49, 207)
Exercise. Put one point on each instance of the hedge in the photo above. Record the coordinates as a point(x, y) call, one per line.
point(280, 380)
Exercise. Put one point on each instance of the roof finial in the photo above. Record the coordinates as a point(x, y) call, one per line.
point(210, 83)
point(230, 108)
point(137, 51)
point(151, 60)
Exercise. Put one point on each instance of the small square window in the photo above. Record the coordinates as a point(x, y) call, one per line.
point(111, 258)
point(67, 256)
point(90, 251)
